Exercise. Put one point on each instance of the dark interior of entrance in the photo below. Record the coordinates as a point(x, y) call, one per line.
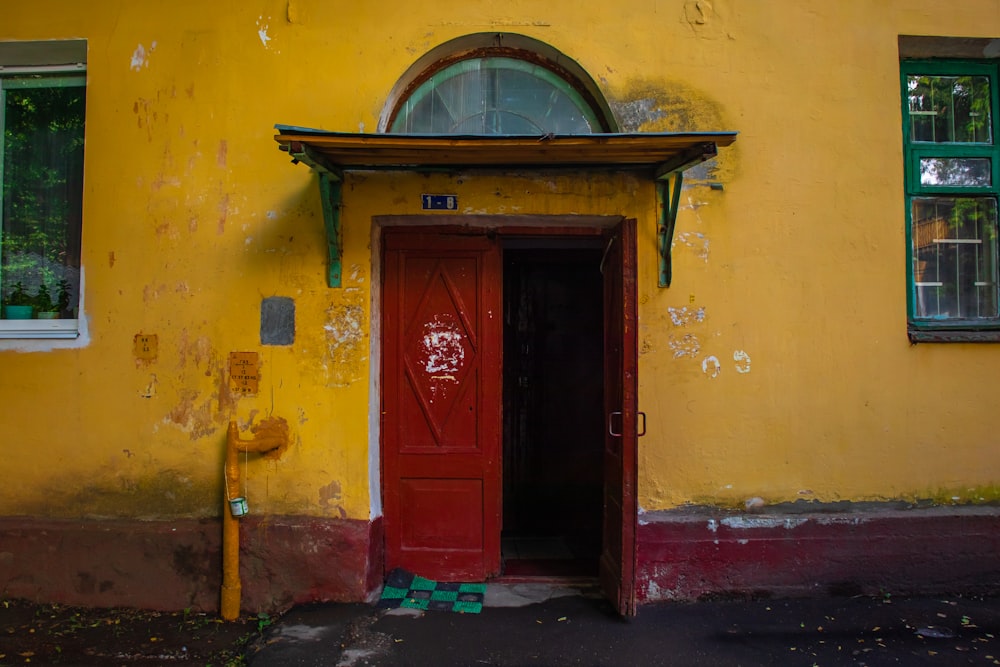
point(553, 403)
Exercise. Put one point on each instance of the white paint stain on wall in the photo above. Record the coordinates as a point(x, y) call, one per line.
point(140, 57)
point(696, 241)
point(748, 522)
point(742, 360)
point(681, 317)
point(711, 367)
point(262, 27)
point(687, 345)
point(442, 352)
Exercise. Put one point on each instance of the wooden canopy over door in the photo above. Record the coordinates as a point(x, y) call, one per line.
point(441, 404)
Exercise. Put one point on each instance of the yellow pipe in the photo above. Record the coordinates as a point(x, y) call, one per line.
point(271, 434)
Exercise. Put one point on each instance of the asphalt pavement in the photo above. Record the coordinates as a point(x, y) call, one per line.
point(537, 624)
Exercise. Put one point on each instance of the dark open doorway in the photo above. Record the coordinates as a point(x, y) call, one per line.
point(553, 407)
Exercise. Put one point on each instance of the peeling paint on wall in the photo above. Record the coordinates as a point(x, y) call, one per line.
point(746, 522)
point(198, 351)
point(698, 12)
point(707, 19)
point(687, 345)
point(659, 105)
point(150, 389)
point(683, 316)
point(655, 105)
point(711, 367)
point(345, 343)
point(696, 241)
point(140, 57)
point(636, 112)
point(262, 27)
point(742, 360)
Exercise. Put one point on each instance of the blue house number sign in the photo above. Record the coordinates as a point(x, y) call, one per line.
point(439, 202)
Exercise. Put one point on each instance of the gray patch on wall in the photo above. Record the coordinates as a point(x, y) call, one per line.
point(634, 113)
point(277, 320)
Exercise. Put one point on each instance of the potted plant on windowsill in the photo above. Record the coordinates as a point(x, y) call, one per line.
point(18, 305)
point(62, 298)
point(47, 309)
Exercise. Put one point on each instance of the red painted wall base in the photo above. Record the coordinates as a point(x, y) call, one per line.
point(697, 553)
point(173, 565)
point(683, 555)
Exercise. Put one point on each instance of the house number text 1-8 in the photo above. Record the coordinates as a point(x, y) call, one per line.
point(439, 202)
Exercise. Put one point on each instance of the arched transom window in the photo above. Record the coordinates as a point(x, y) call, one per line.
point(496, 95)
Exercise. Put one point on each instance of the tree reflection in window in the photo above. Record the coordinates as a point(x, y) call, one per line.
point(954, 257)
point(945, 109)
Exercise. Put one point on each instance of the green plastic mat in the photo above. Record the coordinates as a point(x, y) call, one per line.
point(405, 589)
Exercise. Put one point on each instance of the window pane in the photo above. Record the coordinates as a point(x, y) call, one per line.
point(965, 172)
point(955, 257)
point(950, 109)
point(495, 96)
point(43, 123)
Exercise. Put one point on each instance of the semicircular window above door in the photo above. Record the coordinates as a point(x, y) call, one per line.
point(495, 95)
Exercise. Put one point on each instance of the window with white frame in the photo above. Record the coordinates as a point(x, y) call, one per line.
point(42, 121)
point(952, 167)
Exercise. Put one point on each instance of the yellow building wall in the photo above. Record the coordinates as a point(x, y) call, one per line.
point(776, 365)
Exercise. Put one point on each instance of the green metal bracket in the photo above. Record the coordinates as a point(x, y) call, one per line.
point(670, 198)
point(329, 194)
point(330, 179)
point(669, 194)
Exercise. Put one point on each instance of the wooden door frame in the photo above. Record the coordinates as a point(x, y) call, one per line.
point(566, 226)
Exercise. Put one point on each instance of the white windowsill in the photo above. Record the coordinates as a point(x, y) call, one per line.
point(39, 329)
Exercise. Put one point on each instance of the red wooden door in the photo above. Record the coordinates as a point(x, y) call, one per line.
point(441, 408)
point(617, 566)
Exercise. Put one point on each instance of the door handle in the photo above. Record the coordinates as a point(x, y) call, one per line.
point(640, 431)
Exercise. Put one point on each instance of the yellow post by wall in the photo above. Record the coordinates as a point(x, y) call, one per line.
point(268, 436)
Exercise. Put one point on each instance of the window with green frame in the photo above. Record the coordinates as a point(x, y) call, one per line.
point(952, 165)
point(42, 118)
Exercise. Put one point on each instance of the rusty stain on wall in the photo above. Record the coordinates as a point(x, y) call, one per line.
point(330, 495)
point(199, 352)
point(268, 427)
point(194, 415)
point(223, 213)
